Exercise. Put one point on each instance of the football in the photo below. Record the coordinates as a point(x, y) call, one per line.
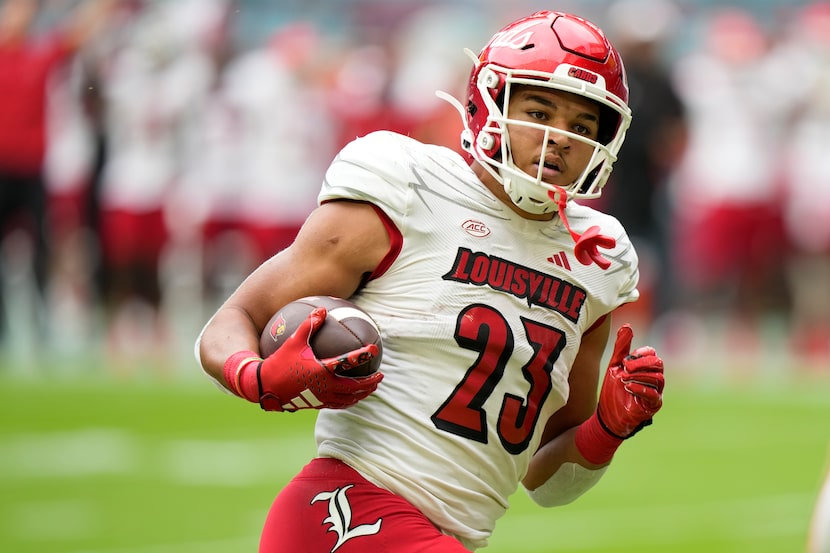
point(346, 328)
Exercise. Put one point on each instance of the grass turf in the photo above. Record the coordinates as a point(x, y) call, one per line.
point(156, 466)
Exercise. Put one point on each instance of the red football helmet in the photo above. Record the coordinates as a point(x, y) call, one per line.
point(554, 50)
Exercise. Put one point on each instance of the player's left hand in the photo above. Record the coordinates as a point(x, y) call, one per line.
point(632, 390)
point(294, 378)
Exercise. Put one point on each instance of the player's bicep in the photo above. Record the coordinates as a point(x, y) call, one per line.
point(336, 247)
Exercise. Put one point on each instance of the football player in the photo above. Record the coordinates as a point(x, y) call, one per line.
point(493, 288)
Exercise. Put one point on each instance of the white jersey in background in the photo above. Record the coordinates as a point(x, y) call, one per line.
point(489, 300)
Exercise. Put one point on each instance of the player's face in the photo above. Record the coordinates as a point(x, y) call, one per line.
point(563, 156)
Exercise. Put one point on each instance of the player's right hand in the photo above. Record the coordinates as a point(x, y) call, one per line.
point(294, 378)
point(632, 391)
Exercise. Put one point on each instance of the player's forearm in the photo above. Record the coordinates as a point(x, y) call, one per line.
point(551, 456)
point(558, 473)
point(228, 332)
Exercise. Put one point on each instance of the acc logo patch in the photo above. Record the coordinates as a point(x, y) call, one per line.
point(475, 228)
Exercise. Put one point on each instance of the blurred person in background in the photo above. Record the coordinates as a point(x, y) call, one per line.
point(357, 88)
point(424, 50)
point(384, 76)
point(74, 159)
point(729, 239)
point(803, 54)
point(495, 304)
point(654, 146)
point(71, 294)
point(28, 62)
point(269, 136)
point(154, 88)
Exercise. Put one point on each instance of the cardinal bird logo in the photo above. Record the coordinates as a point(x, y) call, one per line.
point(340, 517)
point(278, 328)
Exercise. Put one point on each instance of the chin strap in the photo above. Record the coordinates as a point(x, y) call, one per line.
point(587, 245)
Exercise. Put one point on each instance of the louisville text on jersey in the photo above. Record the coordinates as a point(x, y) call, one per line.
point(536, 287)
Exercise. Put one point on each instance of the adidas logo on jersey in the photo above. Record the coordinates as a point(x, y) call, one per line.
point(560, 259)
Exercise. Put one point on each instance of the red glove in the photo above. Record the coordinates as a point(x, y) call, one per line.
point(631, 393)
point(293, 378)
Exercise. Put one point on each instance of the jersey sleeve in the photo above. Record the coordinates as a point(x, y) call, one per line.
point(625, 268)
point(611, 288)
point(371, 169)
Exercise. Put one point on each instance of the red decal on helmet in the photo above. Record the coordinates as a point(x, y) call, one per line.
point(583, 75)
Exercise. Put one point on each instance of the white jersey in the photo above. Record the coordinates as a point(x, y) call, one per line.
point(481, 314)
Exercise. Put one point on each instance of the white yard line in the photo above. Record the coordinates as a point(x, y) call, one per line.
point(112, 451)
point(87, 452)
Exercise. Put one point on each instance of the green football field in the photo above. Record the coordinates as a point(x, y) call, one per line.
point(158, 465)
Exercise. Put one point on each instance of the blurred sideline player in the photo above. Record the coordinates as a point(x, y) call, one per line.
point(806, 205)
point(494, 291)
point(154, 88)
point(730, 219)
point(654, 146)
point(29, 59)
point(267, 144)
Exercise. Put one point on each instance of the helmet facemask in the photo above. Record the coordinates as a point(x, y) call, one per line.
point(492, 145)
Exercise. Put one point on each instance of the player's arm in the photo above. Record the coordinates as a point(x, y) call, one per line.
point(557, 445)
point(581, 438)
point(339, 244)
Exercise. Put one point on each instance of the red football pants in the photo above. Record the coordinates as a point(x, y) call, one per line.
point(328, 506)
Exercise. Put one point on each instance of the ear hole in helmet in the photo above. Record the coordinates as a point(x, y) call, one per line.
point(609, 120)
point(500, 101)
point(471, 109)
point(592, 176)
